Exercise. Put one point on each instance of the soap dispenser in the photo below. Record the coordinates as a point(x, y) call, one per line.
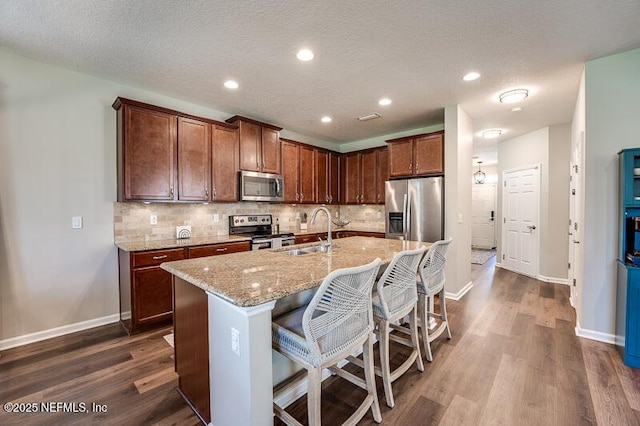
point(277, 225)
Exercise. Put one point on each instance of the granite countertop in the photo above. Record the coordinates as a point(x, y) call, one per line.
point(252, 278)
point(176, 243)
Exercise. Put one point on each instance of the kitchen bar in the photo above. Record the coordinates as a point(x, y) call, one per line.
point(234, 296)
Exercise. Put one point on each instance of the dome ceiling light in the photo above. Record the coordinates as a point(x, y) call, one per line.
point(513, 96)
point(491, 134)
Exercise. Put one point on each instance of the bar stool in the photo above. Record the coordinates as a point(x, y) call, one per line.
point(397, 297)
point(337, 322)
point(431, 282)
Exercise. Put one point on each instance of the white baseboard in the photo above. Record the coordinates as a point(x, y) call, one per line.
point(554, 280)
point(572, 302)
point(58, 331)
point(457, 296)
point(498, 265)
point(595, 335)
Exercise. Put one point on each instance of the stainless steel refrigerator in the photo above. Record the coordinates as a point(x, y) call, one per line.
point(415, 209)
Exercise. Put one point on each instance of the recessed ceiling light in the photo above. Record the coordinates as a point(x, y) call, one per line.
point(516, 109)
point(230, 84)
point(513, 96)
point(305, 55)
point(326, 119)
point(384, 101)
point(491, 134)
point(471, 76)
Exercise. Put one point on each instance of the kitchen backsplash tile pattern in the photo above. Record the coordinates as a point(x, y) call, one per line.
point(132, 220)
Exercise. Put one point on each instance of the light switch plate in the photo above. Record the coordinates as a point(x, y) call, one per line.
point(76, 222)
point(216, 218)
point(153, 219)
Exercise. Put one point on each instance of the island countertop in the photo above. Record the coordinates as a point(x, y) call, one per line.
point(256, 277)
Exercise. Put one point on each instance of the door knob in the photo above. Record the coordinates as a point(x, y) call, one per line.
point(531, 227)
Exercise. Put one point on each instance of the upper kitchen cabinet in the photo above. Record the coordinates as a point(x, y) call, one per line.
point(224, 164)
point(420, 155)
point(194, 166)
point(147, 145)
point(363, 176)
point(166, 155)
point(259, 145)
point(298, 170)
point(327, 177)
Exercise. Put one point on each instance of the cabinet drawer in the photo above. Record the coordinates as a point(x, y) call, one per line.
point(217, 249)
point(156, 257)
point(306, 238)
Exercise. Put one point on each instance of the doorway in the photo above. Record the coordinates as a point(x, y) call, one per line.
point(520, 228)
point(483, 213)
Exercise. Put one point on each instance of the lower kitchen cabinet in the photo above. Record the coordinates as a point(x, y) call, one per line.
point(145, 288)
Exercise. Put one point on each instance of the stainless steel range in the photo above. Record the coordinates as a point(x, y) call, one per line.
point(260, 229)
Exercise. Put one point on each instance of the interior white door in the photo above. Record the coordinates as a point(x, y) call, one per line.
point(575, 230)
point(483, 209)
point(520, 230)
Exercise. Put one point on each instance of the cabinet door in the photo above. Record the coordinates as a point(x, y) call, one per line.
point(290, 172)
point(368, 186)
point(429, 154)
point(334, 178)
point(401, 158)
point(250, 136)
point(270, 150)
point(224, 164)
point(151, 295)
point(194, 142)
point(149, 145)
point(382, 169)
point(351, 179)
point(322, 176)
point(307, 175)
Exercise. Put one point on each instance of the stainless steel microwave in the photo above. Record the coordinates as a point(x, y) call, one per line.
point(255, 186)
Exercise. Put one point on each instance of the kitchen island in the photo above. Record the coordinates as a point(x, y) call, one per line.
point(223, 307)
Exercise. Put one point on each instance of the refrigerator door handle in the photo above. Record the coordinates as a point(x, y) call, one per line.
point(407, 210)
point(405, 222)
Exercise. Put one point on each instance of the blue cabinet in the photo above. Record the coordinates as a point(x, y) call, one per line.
point(628, 264)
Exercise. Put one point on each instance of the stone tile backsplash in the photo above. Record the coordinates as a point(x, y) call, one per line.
point(132, 220)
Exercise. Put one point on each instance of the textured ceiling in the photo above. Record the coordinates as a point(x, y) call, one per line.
point(414, 52)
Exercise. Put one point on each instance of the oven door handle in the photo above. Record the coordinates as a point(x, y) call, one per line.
point(261, 241)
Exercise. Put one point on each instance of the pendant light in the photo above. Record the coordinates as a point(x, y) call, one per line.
point(479, 176)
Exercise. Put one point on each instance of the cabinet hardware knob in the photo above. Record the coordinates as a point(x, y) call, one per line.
point(164, 256)
point(214, 193)
point(206, 192)
point(171, 191)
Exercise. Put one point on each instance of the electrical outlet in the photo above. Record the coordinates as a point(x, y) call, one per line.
point(216, 218)
point(76, 222)
point(153, 219)
point(235, 341)
point(337, 215)
point(379, 215)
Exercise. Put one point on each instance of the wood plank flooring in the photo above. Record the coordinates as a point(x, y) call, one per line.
point(514, 359)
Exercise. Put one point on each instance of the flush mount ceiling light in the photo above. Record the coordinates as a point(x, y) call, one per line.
point(513, 96)
point(326, 119)
point(230, 84)
point(368, 117)
point(516, 109)
point(491, 134)
point(384, 101)
point(471, 76)
point(305, 55)
point(479, 176)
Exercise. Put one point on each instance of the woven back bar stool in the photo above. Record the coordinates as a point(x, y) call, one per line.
point(337, 322)
point(395, 298)
point(430, 282)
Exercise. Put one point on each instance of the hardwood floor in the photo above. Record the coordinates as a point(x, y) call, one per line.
point(514, 359)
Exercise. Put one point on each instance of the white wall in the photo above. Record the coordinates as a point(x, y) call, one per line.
point(612, 122)
point(549, 147)
point(457, 195)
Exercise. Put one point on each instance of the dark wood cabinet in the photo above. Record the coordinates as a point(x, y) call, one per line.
point(363, 175)
point(224, 164)
point(166, 155)
point(419, 155)
point(327, 177)
point(194, 165)
point(145, 288)
point(146, 154)
point(259, 145)
point(298, 170)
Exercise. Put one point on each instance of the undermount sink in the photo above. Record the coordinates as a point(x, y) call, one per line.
point(306, 250)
